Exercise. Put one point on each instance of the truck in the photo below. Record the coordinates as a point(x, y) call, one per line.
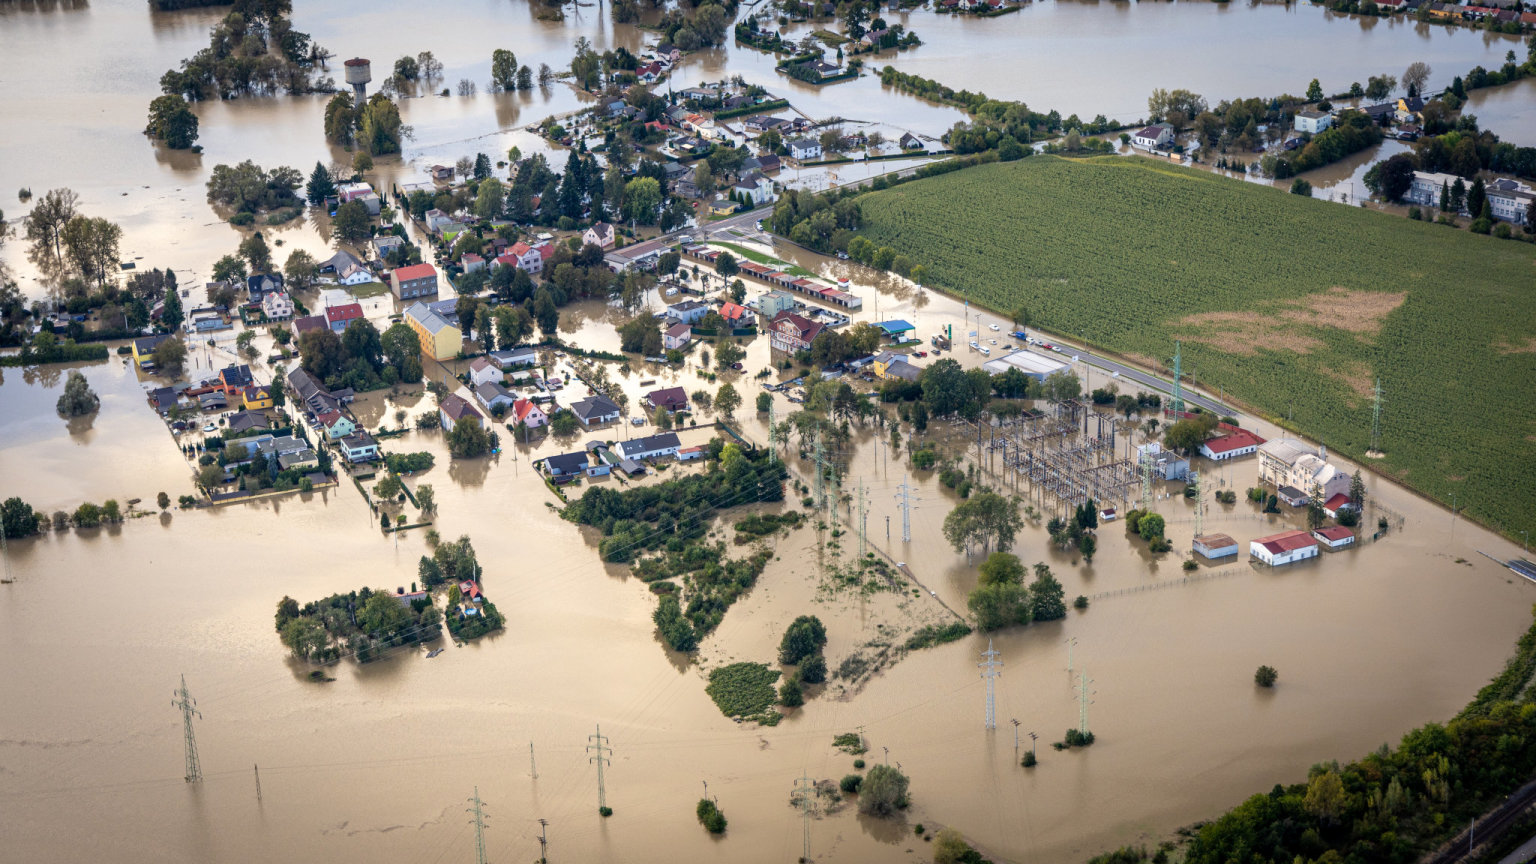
point(939, 341)
point(1021, 335)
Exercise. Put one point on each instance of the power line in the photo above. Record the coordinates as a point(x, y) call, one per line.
point(600, 746)
point(188, 707)
point(904, 495)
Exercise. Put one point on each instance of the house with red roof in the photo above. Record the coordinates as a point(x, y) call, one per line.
point(1337, 504)
point(1284, 548)
point(1335, 537)
point(336, 424)
point(417, 280)
point(737, 316)
point(525, 411)
point(1239, 442)
point(791, 333)
point(338, 317)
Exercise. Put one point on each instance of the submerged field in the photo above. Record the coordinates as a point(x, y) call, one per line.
point(1294, 306)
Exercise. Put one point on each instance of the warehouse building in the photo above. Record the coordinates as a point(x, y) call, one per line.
point(1036, 366)
point(1215, 546)
point(1284, 548)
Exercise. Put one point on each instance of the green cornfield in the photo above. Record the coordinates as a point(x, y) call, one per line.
point(1294, 306)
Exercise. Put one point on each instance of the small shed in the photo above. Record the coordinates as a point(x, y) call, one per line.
point(1335, 536)
point(1213, 546)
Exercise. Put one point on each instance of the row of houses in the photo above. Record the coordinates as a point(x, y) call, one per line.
point(780, 279)
point(600, 458)
point(1277, 550)
point(1508, 200)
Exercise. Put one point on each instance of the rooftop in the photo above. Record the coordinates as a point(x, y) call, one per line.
point(1287, 541)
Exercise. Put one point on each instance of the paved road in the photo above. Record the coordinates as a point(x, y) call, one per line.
point(1525, 853)
point(1148, 380)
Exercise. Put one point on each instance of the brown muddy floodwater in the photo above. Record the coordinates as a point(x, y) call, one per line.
point(97, 625)
point(376, 765)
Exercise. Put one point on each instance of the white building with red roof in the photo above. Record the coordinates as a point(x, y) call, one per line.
point(1286, 547)
point(1335, 536)
point(529, 414)
point(338, 317)
point(1238, 443)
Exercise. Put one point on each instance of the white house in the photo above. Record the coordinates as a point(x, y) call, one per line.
point(600, 234)
point(515, 357)
point(359, 447)
point(665, 444)
point(1312, 121)
point(528, 413)
point(1155, 137)
point(484, 370)
point(529, 259)
point(1426, 186)
point(1230, 446)
point(456, 408)
point(1335, 537)
point(595, 410)
point(757, 189)
point(805, 148)
point(437, 220)
point(494, 396)
point(1283, 548)
point(355, 275)
point(1510, 201)
point(277, 306)
point(1214, 546)
point(688, 311)
point(1287, 462)
point(676, 337)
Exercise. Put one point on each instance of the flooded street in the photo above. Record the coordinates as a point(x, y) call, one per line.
point(98, 624)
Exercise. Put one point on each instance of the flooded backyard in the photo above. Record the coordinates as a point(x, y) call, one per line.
point(96, 625)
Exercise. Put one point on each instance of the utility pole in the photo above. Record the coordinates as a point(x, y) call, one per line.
point(1376, 417)
point(806, 791)
point(258, 783)
point(543, 842)
point(1015, 737)
point(1032, 738)
point(1178, 387)
point(1083, 701)
point(533, 768)
point(990, 665)
point(188, 707)
point(772, 435)
point(904, 494)
point(1194, 483)
point(479, 823)
point(887, 529)
point(821, 474)
point(863, 518)
point(887, 755)
point(601, 748)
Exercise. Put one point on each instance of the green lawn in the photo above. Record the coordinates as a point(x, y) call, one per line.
point(1291, 304)
point(368, 289)
point(759, 257)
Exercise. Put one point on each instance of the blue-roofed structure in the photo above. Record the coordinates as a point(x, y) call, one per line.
point(894, 328)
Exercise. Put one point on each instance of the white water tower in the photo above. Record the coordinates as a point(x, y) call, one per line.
point(359, 73)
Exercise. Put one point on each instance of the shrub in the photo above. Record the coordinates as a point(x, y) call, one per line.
point(850, 783)
point(813, 669)
point(605, 812)
point(1028, 760)
point(924, 459)
point(804, 637)
point(790, 693)
point(710, 816)
point(1074, 738)
point(859, 764)
point(1266, 676)
point(1189, 564)
point(884, 791)
point(1080, 603)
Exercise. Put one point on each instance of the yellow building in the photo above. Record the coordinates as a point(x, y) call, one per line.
point(256, 397)
point(723, 207)
point(144, 348)
point(439, 339)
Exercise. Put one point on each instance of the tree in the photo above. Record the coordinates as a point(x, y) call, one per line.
point(78, 399)
point(171, 121)
point(254, 250)
point(1301, 187)
point(302, 270)
point(804, 637)
point(642, 197)
point(1396, 176)
point(305, 637)
point(1326, 798)
point(1047, 598)
point(467, 439)
point(949, 847)
point(163, 500)
point(1357, 490)
point(884, 791)
point(1266, 676)
point(17, 519)
point(1021, 317)
point(727, 400)
point(230, 268)
point(1150, 527)
point(1314, 91)
point(352, 224)
point(764, 402)
point(407, 69)
point(379, 129)
point(426, 499)
point(710, 816)
point(503, 70)
point(340, 120)
point(361, 162)
point(726, 265)
point(727, 354)
point(999, 605)
point(489, 198)
point(1415, 76)
point(791, 695)
point(91, 247)
point(1477, 197)
point(170, 313)
point(1001, 568)
point(1378, 86)
point(986, 518)
point(169, 356)
point(45, 225)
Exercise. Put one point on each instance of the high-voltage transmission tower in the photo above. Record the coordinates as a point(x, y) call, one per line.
point(1146, 481)
point(863, 517)
point(989, 672)
point(600, 746)
point(1178, 385)
point(805, 790)
point(479, 822)
point(904, 495)
point(821, 474)
point(773, 450)
point(1194, 483)
point(1083, 701)
point(188, 707)
point(1376, 417)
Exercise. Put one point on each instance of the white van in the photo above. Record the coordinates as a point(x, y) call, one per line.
point(986, 352)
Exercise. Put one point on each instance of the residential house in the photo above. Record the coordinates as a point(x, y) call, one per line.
point(755, 188)
point(496, 398)
point(737, 316)
point(596, 410)
point(1509, 201)
point(673, 399)
point(688, 311)
point(256, 397)
point(1427, 185)
point(144, 348)
point(484, 370)
point(600, 234)
point(359, 447)
point(676, 337)
point(355, 274)
point(339, 262)
point(246, 421)
point(439, 339)
point(514, 358)
point(307, 324)
point(336, 424)
point(233, 379)
point(417, 280)
point(722, 207)
point(889, 365)
point(1287, 462)
point(1410, 109)
point(1230, 446)
point(566, 464)
point(639, 256)
point(1283, 548)
point(1313, 121)
point(911, 142)
point(1292, 496)
point(527, 258)
point(352, 191)
point(437, 220)
point(338, 317)
point(768, 163)
point(298, 460)
point(1213, 546)
point(792, 333)
point(456, 408)
point(213, 400)
point(528, 413)
point(771, 304)
point(805, 149)
point(653, 447)
point(1158, 136)
point(472, 263)
point(1336, 505)
point(384, 244)
point(277, 306)
point(1335, 537)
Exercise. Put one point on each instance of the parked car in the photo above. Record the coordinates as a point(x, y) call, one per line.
point(986, 352)
point(992, 326)
point(210, 428)
point(637, 421)
point(736, 366)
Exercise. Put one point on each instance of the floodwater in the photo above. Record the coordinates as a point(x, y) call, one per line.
point(97, 625)
point(378, 763)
